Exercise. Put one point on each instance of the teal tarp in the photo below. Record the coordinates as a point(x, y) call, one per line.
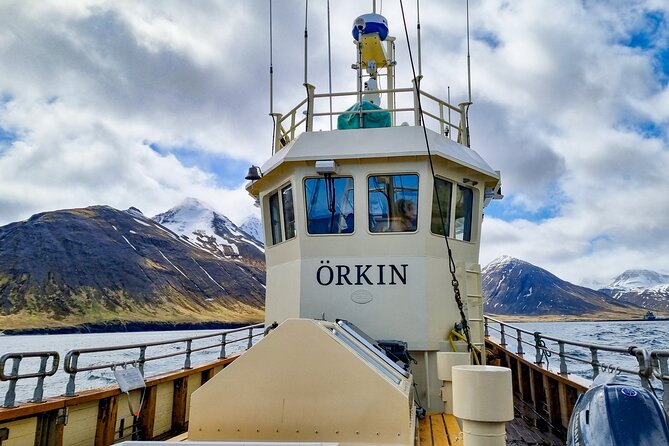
point(349, 121)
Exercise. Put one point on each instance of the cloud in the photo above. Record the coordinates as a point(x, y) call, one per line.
point(142, 104)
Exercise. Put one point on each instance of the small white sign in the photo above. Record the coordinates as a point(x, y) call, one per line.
point(129, 379)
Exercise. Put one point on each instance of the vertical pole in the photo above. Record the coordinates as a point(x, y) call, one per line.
point(222, 354)
point(69, 390)
point(329, 64)
point(519, 347)
point(250, 343)
point(416, 103)
point(189, 344)
point(595, 362)
point(10, 396)
point(420, 63)
point(502, 337)
point(360, 117)
point(306, 37)
point(142, 359)
point(427, 376)
point(563, 363)
point(39, 388)
point(390, 74)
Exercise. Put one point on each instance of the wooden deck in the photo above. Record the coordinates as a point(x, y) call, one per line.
point(440, 429)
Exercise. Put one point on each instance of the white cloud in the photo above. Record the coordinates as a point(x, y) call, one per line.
point(561, 106)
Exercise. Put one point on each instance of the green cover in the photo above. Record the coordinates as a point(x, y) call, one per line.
point(351, 120)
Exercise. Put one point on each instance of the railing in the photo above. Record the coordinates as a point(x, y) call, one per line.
point(301, 117)
point(183, 347)
point(650, 365)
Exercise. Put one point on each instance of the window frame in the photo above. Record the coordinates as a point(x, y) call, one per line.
point(306, 210)
point(450, 205)
point(368, 202)
point(278, 192)
point(472, 214)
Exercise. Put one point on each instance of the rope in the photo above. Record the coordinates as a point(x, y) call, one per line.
point(451, 262)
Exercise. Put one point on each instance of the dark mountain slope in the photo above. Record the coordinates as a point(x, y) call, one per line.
point(99, 263)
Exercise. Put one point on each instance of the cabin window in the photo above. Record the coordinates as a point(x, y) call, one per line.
point(275, 218)
point(288, 212)
point(463, 213)
point(444, 189)
point(329, 205)
point(393, 203)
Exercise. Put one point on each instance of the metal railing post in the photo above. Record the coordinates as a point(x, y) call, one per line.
point(416, 100)
point(537, 346)
point(645, 367)
point(486, 330)
point(519, 338)
point(69, 390)
point(463, 129)
point(189, 344)
point(563, 362)
point(250, 343)
point(142, 359)
point(223, 342)
point(278, 117)
point(39, 388)
point(502, 337)
point(595, 362)
point(10, 396)
point(309, 124)
point(664, 377)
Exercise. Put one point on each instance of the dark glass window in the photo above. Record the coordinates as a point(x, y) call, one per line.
point(463, 213)
point(444, 189)
point(393, 203)
point(329, 203)
point(275, 218)
point(288, 212)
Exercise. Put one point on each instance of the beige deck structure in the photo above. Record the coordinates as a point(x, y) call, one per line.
point(307, 381)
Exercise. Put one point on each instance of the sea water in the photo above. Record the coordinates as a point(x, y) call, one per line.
point(62, 343)
point(652, 335)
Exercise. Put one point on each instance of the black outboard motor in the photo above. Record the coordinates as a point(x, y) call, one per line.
point(615, 414)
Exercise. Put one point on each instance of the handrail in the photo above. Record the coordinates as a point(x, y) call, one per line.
point(288, 126)
point(14, 376)
point(653, 364)
point(72, 357)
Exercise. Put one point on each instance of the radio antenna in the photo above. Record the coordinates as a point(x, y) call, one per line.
point(306, 37)
point(420, 59)
point(469, 67)
point(329, 64)
point(271, 67)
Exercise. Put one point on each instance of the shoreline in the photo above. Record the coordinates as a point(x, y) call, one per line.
point(123, 327)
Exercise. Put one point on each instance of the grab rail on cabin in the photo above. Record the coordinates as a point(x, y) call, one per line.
point(649, 365)
point(15, 375)
point(288, 125)
point(71, 364)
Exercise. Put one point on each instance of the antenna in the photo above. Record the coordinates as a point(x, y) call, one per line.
point(271, 67)
point(420, 64)
point(306, 37)
point(329, 64)
point(469, 67)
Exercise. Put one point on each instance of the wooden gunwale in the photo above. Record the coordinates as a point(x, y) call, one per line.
point(54, 403)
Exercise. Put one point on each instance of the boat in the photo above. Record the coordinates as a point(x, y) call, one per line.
point(374, 329)
point(649, 316)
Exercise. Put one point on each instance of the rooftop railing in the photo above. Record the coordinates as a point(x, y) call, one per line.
point(242, 338)
point(587, 360)
point(439, 115)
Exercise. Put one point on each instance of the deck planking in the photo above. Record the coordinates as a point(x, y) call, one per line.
point(440, 429)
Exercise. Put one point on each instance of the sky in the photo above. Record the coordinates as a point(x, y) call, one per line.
point(145, 103)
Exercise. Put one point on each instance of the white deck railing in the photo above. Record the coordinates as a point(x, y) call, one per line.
point(438, 114)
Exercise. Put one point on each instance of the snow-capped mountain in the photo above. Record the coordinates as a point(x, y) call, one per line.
point(99, 264)
point(514, 287)
point(253, 227)
point(645, 288)
point(203, 227)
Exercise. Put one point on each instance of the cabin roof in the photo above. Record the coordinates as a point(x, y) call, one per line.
point(376, 143)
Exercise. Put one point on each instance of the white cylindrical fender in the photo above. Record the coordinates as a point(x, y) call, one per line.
point(483, 399)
